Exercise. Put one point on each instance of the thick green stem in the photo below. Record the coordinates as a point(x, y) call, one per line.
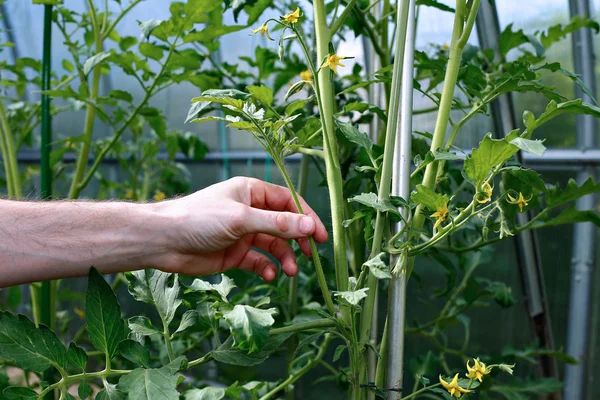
point(90, 112)
point(7, 165)
point(334, 173)
point(10, 154)
point(304, 326)
point(460, 36)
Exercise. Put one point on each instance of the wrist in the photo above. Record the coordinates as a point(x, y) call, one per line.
point(166, 225)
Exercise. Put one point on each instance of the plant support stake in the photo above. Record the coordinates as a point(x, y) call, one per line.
point(401, 187)
point(582, 264)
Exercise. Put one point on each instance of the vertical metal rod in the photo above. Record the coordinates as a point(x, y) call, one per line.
point(374, 97)
point(582, 264)
point(526, 243)
point(401, 187)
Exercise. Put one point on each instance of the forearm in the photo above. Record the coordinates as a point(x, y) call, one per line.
point(51, 240)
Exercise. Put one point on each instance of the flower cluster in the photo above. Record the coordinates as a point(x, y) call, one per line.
point(475, 372)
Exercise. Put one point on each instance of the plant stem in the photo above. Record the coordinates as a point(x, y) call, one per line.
point(303, 326)
point(337, 24)
point(293, 285)
point(90, 112)
point(313, 247)
point(421, 391)
point(302, 371)
point(6, 161)
point(119, 132)
point(10, 154)
point(334, 174)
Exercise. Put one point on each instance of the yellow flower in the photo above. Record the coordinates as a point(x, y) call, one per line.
point(521, 202)
point(445, 46)
point(263, 30)
point(333, 61)
point(486, 190)
point(453, 387)
point(292, 17)
point(306, 75)
point(478, 370)
point(129, 194)
point(159, 196)
point(440, 214)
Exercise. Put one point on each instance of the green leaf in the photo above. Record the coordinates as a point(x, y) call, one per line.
point(295, 106)
point(553, 110)
point(306, 341)
point(557, 32)
point(530, 178)
point(378, 268)
point(249, 326)
point(121, 95)
point(32, 348)
point(14, 297)
point(338, 352)
point(77, 356)
point(151, 51)
point(93, 61)
point(143, 326)
point(571, 215)
point(157, 288)
point(188, 319)
point(208, 393)
point(150, 384)
point(135, 352)
point(227, 354)
point(262, 94)
point(427, 197)
point(510, 39)
point(223, 288)
point(103, 315)
point(571, 192)
point(530, 146)
point(229, 97)
point(355, 136)
point(19, 393)
point(110, 392)
point(490, 154)
point(148, 26)
point(371, 200)
point(84, 390)
point(555, 66)
point(435, 4)
point(353, 296)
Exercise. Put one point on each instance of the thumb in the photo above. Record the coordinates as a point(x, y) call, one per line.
point(285, 225)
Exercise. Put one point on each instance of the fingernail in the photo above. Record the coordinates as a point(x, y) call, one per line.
point(307, 225)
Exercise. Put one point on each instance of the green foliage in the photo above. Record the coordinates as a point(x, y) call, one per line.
point(103, 315)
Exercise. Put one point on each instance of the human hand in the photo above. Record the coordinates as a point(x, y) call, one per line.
point(214, 229)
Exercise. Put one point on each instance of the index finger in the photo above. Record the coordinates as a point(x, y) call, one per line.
point(268, 196)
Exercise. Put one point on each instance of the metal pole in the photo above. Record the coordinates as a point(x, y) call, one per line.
point(526, 243)
point(582, 264)
point(401, 187)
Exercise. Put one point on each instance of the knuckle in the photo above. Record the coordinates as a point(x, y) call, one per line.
point(238, 218)
point(282, 221)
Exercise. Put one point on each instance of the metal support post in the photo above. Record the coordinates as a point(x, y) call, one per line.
point(582, 265)
point(401, 187)
point(526, 243)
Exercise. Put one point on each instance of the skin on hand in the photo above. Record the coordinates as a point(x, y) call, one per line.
point(216, 229)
